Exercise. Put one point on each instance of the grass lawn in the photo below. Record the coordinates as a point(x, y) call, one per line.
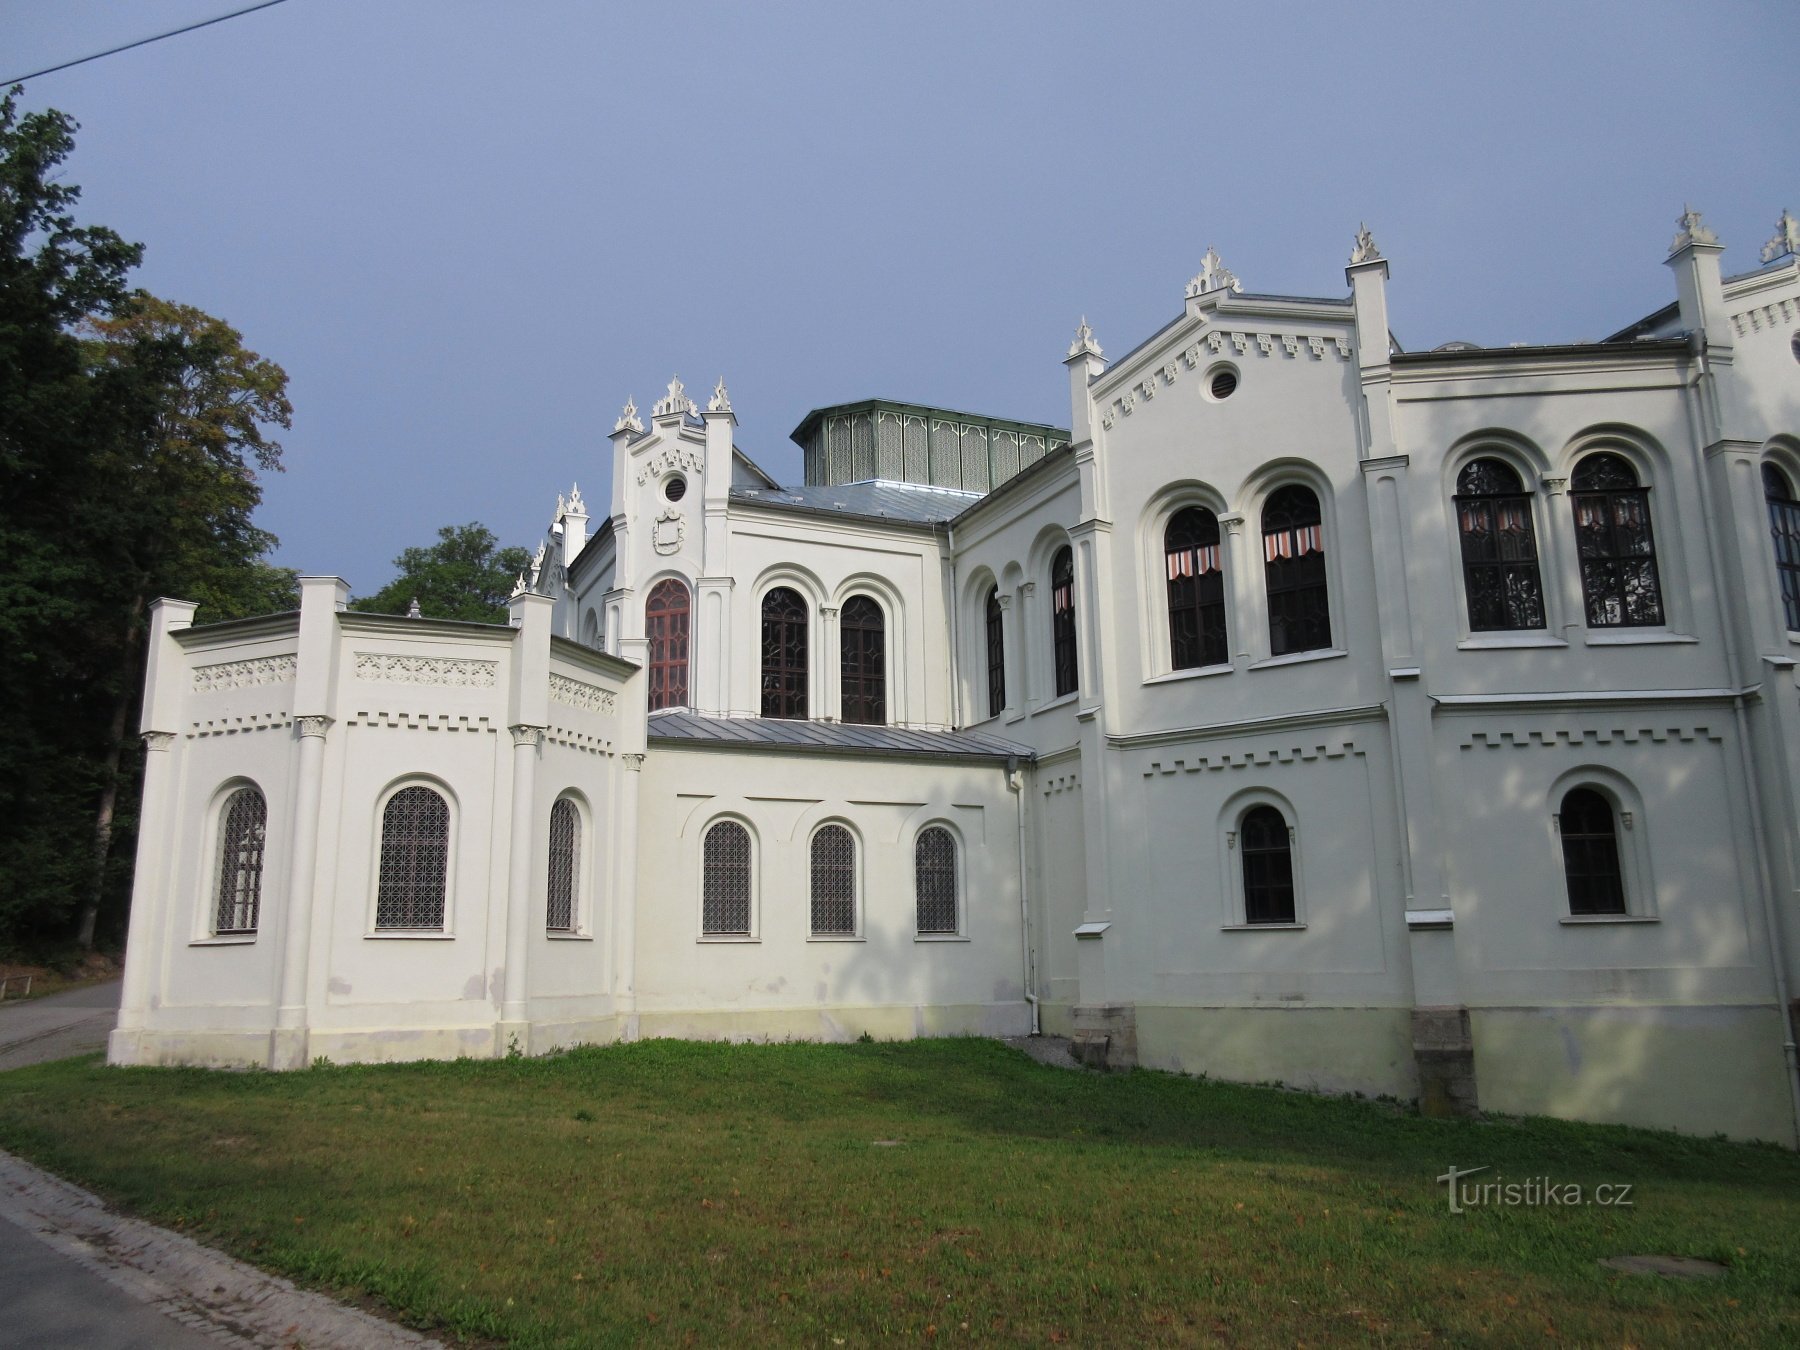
point(949, 1190)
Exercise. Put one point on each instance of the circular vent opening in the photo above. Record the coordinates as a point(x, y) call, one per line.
point(676, 488)
point(1223, 384)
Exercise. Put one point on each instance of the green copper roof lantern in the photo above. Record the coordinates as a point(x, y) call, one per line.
point(911, 443)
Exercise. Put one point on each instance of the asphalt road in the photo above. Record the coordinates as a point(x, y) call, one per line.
point(33, 1031)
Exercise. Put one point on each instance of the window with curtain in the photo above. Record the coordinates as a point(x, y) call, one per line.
point(1499, 548)
point(1615, 544)
point(1294, 571)
point(1196, 590)
point(784, 671)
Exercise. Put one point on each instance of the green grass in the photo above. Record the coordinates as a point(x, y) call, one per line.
point(714, 1194)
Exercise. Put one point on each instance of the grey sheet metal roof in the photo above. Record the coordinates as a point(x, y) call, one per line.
point(878, 499)
point(673, 726)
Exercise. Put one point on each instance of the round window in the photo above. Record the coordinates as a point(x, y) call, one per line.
point(1222, 383)
point(676, 488)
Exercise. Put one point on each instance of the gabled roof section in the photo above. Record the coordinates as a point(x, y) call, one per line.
point(672, 726)
point(877, 499)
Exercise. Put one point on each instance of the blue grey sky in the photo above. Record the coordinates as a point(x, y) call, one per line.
point(470, 230)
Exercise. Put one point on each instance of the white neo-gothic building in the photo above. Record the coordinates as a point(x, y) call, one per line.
point(1420, 723)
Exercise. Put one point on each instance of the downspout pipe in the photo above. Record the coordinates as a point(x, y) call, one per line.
point(1015, 784)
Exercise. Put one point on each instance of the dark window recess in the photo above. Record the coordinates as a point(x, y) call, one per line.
point(725, 886)
point(676, 488)
point(1590, 844)
point(565, 860)
point(1294, 572)
point(1784, 525)
point(1062, 620)
point(1614, 542)
point(243, 826)
point(667, 621)
point(934, 880)
point(996, 655)
point(783, 654)
point(415, 860)
point(1224, 384)
point(1499, 548)
point(833, 881)
point(1268, 866)
point(862, 643)
point(1196, 590)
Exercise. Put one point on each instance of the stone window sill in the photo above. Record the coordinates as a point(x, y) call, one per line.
point(1639, 637)
point(836, 937)
point(1582, 920)
point(1056, 702)
point(1262, 927)
point(939, 937)
point(729, 939)
point(1481, 642)
point(225, 940)
point(1299, 658)
point(569, 937)
point(408, 935)
point(1190, 673)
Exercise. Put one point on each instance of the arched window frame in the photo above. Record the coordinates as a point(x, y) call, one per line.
point(579, 919)
point(445, 926)
point(822, 871)
point(1155, 647)
point(993, 645)
point(752, 931)
point(1781, 493)
point(959, 880)
point(1284, 592)
point(668, 633)
point(1235, 917)
point(864, 654)
point(1516, 564)
point(1630, 833)
point(247, 890)
point(1196, 602)
point(1597, 557)
point(590, 629)
point(1065, 653)
point(785, 688)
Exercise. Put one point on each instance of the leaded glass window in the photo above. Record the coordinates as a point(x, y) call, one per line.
point(1294, 572)
point(1196, 589)
point(833, 881)
point(1264, 841)
point(667, 615)
point(1614, 542)
point(1062, 620)
point(415, 860)
point(996, 655)
point(243, 825)
point(1590, 844)
point(1784, 526)
point(862, 643)
point(725, 885)
point(784, 670)
point(565, 865)
point(934, 880)
point(1499, 548)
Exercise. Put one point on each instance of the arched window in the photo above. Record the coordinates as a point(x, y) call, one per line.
point(1615, 545)
point(833, 882)
point(1294, 571)
point(590, 629)
point(565, 866)
point(934, 880)
point(863, 661)
point(783, 654)
point(996, 655)
point(725, 887)
point(666, 625)
point(1499, 548)
point(243, 824)
point(415, 860)
point(1062, 620)
point(1196, 590)
point(1784, 525)
point(1268, 866)
point(1590, 844)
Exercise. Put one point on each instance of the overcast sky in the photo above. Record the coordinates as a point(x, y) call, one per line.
point(469, 231)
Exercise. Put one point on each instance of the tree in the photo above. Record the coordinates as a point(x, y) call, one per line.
point(465, 575)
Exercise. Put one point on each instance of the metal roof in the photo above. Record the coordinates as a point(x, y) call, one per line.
point(877, 499)
point(673, 726)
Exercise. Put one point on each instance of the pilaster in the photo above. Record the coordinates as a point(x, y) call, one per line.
point(514, 1028)
point(827, 702)
point(1368, 277)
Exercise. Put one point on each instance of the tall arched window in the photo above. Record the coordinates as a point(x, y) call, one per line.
point(590, 629)
point(1499, 548)
point(666, 625)
point(725, 886)
point(1196, 590)
point(1614, 542)
point(934, 881)
point(243, 824)
point(833, 882)
point(565, 866)
point(862, 669)
point(415, 860)
point(1294, 571)
point(996, 654)
point(1062, 620)
point(1268, 866)
point(1590, 844)
point(1784, 525)
point(783, 653)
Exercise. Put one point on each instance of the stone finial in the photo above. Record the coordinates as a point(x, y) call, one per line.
point(629, 420)
point(575, 506)
point(1693, 231)
point(1366, 249)
point(562, 507)
point(412, 610)
point(519, 588)
point(721, 401)
point(1084, 344)
point(675, 403)
point(1786, 241)
point(1213, 276)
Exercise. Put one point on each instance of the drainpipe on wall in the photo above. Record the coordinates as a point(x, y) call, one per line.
point(1015, 784)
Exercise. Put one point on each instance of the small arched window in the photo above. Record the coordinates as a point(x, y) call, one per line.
point(725, 886)
point(934, 881)
point(784, 670)
point(1499, 548)
point(667, 616)
point(565, 866)
point(590, 629)
point(415, 860)
point(1590, 844)
point(862, 670)
point(833, 882)
point(1784, 525)
point(1264, 841)
point(1196, 590)
point(1294, 571)
point(1615, 544)
point(243, 824)
point(996, 654)
point(1062, 620)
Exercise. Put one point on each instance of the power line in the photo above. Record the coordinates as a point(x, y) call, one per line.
point(141, 42)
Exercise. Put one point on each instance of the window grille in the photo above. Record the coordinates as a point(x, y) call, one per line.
point(833, 881)
point(1294, 572)
point(1590, 845)
point(666, 624)
point(1499, 548)
point(725, 887)
point(565, 862)
point(243, 825)
point(1196, 590)
point(863, 661)
point(1062, 620)
point(1614, 542)
point(1268, 866)
point(996, 655)
point(415, 860)
point(1784, 525)
point(783, 654)
point(934, 880)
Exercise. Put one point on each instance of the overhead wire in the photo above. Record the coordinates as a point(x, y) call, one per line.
point(141, 42)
